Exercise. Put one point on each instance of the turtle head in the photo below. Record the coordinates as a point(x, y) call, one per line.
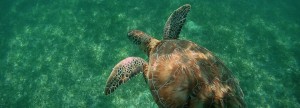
point(143, 40)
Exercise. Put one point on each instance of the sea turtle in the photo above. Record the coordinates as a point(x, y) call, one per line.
point(179, 73)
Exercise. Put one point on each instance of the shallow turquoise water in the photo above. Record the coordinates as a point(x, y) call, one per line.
point(59, 53)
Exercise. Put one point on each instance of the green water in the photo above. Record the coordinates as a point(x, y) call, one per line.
point(58, 53)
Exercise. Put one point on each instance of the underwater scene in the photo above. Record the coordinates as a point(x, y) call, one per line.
point(59, 53)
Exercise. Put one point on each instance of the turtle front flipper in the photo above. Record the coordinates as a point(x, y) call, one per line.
point(123, 71)
point(175, 22)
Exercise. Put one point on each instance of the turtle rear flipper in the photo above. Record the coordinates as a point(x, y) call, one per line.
point(175, 22)
point(123, 71)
